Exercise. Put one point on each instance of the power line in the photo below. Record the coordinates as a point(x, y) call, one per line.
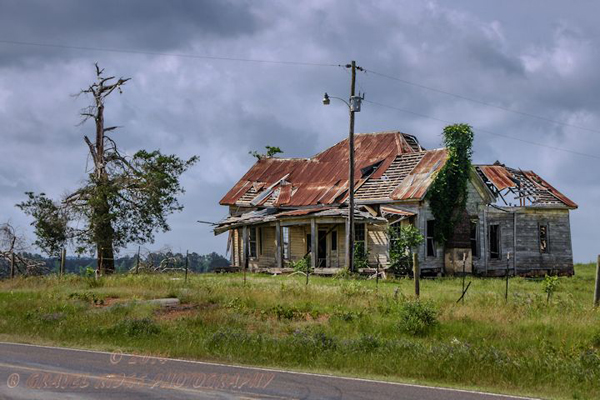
point(486, 131)
point(526, 114)
point(155, 53)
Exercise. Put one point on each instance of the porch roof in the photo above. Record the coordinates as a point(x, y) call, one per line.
point(271, 214)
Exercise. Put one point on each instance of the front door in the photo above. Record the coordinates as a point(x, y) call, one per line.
point(322, 250)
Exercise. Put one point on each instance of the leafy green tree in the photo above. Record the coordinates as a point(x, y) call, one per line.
point(403, 240)
point(447, 194)
point(123, 200)
point(271, 151)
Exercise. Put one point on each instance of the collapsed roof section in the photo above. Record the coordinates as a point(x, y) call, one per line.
point(272, 214)
point(518, 188)
point(322, 179)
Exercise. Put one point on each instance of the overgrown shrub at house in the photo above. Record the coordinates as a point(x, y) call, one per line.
point(550, 284)
point(403, 240)
point(361, 256)
point(302, 265)
point(417, 317)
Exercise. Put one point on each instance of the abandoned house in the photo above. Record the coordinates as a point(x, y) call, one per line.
point(288, 208)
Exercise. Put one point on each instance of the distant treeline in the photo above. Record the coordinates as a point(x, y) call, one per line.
point(77, 265)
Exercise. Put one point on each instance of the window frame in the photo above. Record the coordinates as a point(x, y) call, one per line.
point(475, 241)
point(363, 229)
point(334, 240)
point(498, 254)
point(252, 245)
point(547, 238)
point(285, 239)
point(430, 239)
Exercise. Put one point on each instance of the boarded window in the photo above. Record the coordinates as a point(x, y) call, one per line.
point(474, 239)
point(430, 238)
point(252, 242)
point(543, 231)
point(334, 240)
point(495, 241)
point(286, 242)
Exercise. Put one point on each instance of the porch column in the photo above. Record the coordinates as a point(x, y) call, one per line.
point(245, 247)
point(279, 250)
point(313, 244)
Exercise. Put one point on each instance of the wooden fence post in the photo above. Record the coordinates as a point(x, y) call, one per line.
point(63, 256)
point(463, 276)
point(187, 258)
point(12, 265)
point(507, 273)
point(137, 263)
point(416, 274)
point(597, 291)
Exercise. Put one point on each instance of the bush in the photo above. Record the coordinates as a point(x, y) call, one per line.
point(302, 265)
point(136, 327)
point(418, 318)
point(403, 239)
point(550, 284)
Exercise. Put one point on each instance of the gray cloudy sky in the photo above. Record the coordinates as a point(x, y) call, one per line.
point(539, 57)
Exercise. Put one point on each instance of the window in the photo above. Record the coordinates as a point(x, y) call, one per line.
point(474, 239)
point(430, 238)
point(495, 241)
point(260, 241)
point(359, 238)
point(252, 242)
point(543, 233)
point(334, 240)
point(286, 243)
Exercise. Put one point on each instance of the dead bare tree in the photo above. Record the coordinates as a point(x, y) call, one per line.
point(12, 247)
point(101, 224)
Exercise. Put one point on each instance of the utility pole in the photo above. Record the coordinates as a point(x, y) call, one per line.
point(350, 233)
point(353, 106)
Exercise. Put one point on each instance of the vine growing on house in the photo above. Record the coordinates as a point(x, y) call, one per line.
point(448, 193)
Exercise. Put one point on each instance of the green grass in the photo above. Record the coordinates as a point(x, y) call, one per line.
point(525, 346)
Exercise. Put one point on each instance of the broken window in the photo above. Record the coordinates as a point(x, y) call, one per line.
point(260, 241)
point(359, 237)
point(252, 242)
point(495, 241)
point(334, 240)
point(286, 242)
point(308, 243)
point(543, 232)
point(474, 238)
point(430, 238)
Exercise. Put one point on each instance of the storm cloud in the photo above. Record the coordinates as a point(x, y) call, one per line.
point(538, 58)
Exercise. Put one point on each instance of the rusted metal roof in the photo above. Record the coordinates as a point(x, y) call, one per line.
point(498, 175)
point(396, 210)
point(526, 186)
point(415, 185)
point(271, 214)
point(322, 179)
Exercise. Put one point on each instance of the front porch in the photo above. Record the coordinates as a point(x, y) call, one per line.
point(277, 240)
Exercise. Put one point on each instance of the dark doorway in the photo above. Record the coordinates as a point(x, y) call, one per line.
point(322, 249)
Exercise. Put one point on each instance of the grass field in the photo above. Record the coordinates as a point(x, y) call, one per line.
point(352, 327)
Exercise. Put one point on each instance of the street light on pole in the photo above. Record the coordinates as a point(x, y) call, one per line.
point(353, 104)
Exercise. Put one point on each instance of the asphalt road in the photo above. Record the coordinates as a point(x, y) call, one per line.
point(38, 372)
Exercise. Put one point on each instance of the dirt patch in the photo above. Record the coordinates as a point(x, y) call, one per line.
point(174, 313)
point(110, 301)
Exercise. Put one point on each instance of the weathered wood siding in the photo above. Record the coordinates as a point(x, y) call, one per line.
point(529, 259)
